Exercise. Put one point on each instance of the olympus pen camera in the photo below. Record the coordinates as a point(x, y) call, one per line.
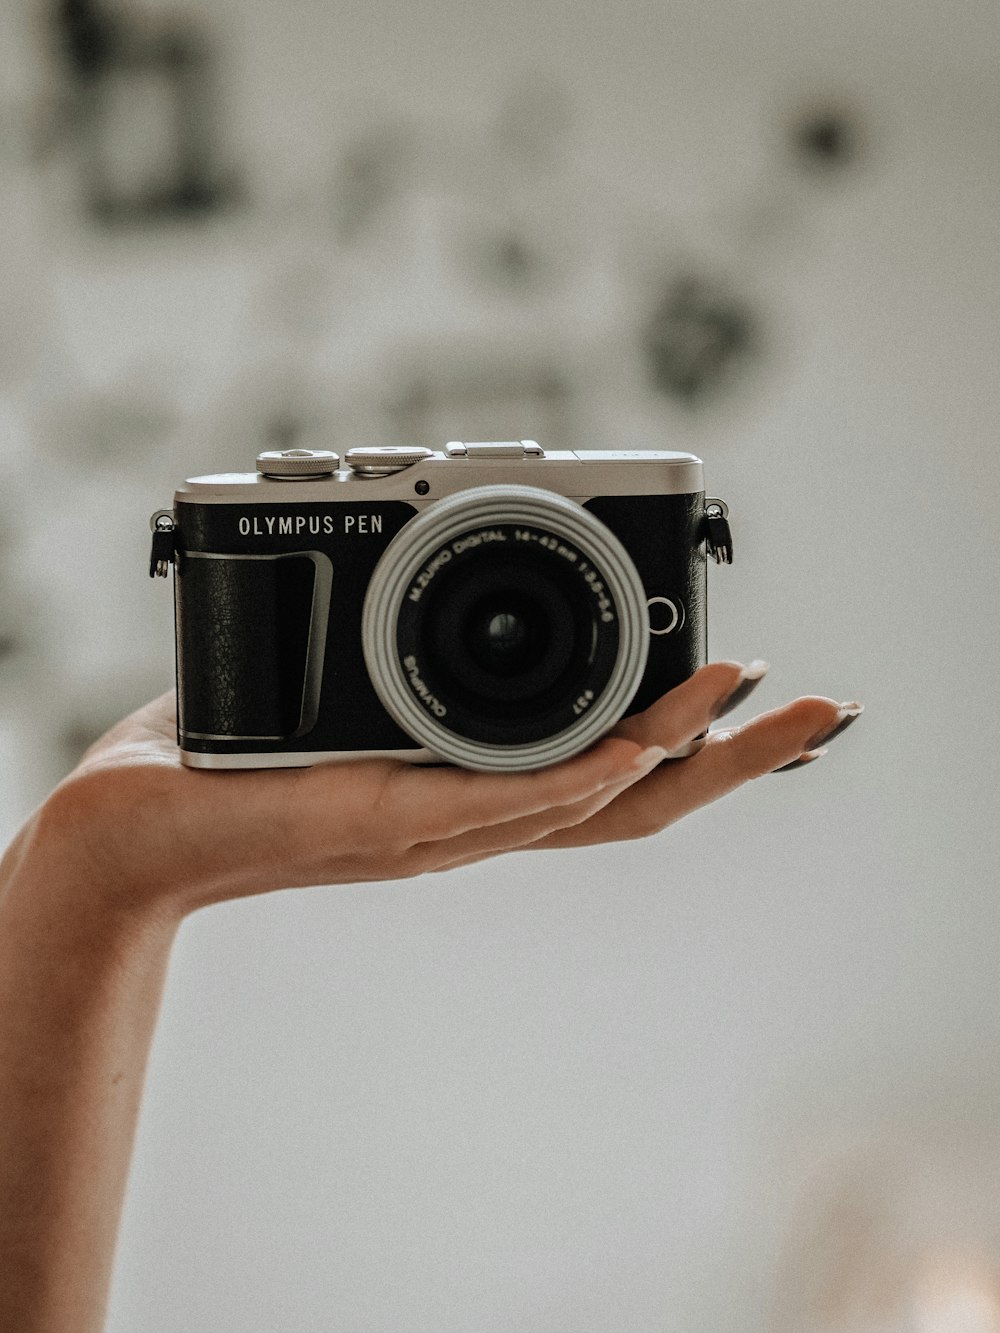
point(496, 606)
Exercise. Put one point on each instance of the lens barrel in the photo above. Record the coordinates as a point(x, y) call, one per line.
point(505, 628)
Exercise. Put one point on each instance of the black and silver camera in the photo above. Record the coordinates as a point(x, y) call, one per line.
point(496, 606)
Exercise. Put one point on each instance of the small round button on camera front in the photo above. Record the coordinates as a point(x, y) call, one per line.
point(297, 464)
point(383, 460)
point(669, 615)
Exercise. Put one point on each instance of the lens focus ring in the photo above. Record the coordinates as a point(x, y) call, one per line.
point(432, 538)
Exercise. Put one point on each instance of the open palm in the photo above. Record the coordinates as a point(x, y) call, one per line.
point(154, 827)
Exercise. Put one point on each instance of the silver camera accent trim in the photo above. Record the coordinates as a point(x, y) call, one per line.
point(678, 618)
point(307, 758)
point(448, 519)
point(581, 474)
point(315, 644)
point(300, 758)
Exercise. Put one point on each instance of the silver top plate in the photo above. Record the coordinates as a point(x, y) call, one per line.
point(579, 474)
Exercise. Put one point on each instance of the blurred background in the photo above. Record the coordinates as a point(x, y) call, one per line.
point(742, 1076)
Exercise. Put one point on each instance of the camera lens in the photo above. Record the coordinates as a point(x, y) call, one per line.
point(500, 637)
point(505, 628)
point(505, 637)
point(511, 640)
point(499, 633)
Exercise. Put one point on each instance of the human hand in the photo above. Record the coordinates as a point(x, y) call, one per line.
point(94, 887)
point(157, 834)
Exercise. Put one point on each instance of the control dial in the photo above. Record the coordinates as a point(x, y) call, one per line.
point(384, 460)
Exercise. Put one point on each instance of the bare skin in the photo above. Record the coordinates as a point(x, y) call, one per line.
point(93, 890)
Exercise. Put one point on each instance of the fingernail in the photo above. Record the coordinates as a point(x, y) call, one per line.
point(749, 678)
point(846, 714)
point(809, 757)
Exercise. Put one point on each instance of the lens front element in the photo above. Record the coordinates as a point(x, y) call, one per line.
point(505, 628)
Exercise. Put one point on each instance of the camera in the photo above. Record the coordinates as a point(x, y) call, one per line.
point(492, 605)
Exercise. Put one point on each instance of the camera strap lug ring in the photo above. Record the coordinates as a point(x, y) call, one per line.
point(164, 543)
point(719, 534)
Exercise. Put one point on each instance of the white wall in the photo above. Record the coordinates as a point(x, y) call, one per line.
point(616, 1089)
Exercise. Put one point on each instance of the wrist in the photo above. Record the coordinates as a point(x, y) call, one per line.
point(51, 874)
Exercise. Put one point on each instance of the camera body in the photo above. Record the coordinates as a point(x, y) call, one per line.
point(491, 605)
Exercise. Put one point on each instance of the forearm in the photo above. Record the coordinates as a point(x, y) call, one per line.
point(80, 985)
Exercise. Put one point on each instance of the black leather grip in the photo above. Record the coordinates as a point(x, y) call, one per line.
point(243, 645)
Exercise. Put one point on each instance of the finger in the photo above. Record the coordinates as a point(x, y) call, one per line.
point(727, 760)
point(690, 708)
point(514, 834)
point(431, 804)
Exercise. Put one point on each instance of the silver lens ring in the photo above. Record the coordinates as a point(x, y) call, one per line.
point(448, 520)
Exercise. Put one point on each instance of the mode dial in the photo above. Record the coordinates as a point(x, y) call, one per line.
point(297, 464)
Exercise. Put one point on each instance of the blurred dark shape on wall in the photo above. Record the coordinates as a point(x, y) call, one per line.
point(505, 258)
point(17, 615)
point(371, 175)
point(827, 139)
point(9, 614)
point(141, 112)
point(88, 35)
point(697, 337)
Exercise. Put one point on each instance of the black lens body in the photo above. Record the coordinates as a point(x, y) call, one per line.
point(509, 637)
